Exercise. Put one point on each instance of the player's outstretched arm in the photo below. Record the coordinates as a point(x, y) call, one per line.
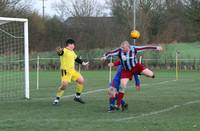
point(111, 53)
point(144, 48)
point(114, 52)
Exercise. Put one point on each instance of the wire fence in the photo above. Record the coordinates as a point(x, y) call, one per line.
point(51, 64)
point(46, 64)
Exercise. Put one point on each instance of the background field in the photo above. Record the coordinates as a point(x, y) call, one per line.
point(163, 104)
point(187, 51)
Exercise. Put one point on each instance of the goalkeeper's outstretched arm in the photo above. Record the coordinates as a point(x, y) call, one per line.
point(78, 60)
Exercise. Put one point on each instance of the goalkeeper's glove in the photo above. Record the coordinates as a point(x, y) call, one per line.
point(85, 63)
point(59, 50)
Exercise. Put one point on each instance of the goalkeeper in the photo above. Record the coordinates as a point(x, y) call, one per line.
point(68, 73)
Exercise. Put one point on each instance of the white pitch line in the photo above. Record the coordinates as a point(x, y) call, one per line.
point(88, 92)
point(67, 96)
point(143, 114)
point(104, 89)
point(162, 82)
point(156, 112)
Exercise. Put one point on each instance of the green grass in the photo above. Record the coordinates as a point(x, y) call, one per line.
point(162, 105)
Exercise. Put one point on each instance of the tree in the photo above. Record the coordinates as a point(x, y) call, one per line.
point(55, 33)
point(157, 22)
point(122, 10)
point(146, 13)
point(145, 16)
point(13, 8)
point(78, 8)
point(192, 8)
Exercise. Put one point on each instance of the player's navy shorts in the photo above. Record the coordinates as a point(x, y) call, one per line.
point(135, 70)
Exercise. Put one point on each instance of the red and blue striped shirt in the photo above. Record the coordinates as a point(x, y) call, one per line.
point(130, 55)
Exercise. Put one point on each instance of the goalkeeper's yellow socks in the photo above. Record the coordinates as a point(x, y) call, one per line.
point(59, 93)
point(79, 89)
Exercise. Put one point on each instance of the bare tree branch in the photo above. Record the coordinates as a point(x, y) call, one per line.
point(77, 8)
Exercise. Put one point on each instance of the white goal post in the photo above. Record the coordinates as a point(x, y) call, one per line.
point(14, 57)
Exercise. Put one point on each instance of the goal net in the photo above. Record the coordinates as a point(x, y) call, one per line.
point(14, 65)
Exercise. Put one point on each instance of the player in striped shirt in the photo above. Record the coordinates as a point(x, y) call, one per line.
point(127, 55)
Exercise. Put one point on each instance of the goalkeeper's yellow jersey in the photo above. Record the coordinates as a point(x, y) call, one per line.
point(67, 60)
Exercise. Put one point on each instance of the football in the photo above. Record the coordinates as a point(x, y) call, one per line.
point(135, 34)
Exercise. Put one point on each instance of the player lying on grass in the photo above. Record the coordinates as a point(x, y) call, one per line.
point(127, 55)
point(114, 90)
point(68, 73)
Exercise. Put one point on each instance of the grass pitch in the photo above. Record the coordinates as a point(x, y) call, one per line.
point(163, 104)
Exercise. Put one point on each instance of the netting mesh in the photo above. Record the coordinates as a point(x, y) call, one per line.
point(11, 60)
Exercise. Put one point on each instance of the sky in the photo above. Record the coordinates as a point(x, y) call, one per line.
point(37, 5)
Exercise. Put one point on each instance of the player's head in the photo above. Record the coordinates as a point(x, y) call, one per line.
point(70, 43)
point(125, 46)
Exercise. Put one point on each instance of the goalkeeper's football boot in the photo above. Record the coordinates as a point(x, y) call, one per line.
point(78, 99)
point(56, 101)
point(124, 107)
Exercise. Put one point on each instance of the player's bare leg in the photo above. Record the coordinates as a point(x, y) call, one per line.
point(79, 90)
point(148, 73)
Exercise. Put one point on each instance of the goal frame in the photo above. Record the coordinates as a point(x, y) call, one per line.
point(26, 51)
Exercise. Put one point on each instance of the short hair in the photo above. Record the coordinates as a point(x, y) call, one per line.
point(124, 43)
point(69, 41)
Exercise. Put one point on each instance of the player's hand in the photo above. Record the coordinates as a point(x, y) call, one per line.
point(111, 64)
point(85, 63)
point(59, 50)
point(103, 58)
point(159, 48)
